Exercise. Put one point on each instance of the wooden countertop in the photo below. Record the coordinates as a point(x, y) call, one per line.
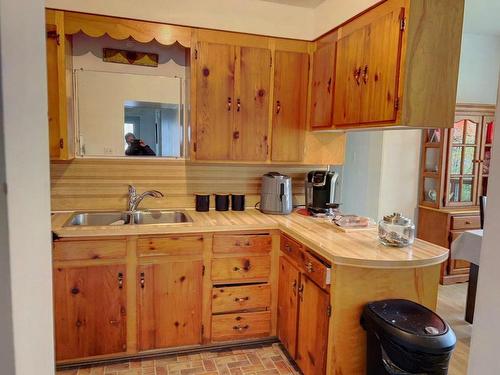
point(359, 249)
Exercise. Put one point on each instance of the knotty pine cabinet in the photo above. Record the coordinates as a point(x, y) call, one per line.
point(232, 102)
point(90, 311)
point(383, 72)
point(303, 308)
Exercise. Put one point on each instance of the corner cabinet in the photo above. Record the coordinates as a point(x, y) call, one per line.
point(383, 73)
point(454, 174)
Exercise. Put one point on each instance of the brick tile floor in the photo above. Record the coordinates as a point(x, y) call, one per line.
point(261, 360)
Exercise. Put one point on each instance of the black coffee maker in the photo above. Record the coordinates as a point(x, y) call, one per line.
point(320, 191)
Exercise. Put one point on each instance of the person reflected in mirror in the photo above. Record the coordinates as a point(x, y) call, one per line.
point(137, 147)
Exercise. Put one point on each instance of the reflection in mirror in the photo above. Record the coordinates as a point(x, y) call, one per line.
point(121, 114)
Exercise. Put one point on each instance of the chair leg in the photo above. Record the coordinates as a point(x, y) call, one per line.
point(471, 293)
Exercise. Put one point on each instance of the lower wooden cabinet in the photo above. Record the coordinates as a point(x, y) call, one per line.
point(90, 310)
point(169, 303)
point(303, 316)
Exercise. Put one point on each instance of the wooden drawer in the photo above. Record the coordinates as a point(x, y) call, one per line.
point(89, 249)
point(315, 270)
point(238, 298)
point(234, 244)
point(465, 222)
point(241, 269)
point(291, 248)
point(230, 327)
point(178, 245)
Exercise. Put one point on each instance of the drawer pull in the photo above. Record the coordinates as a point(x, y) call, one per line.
point(309, 267)
point(246, 243)
point(120, 280)
point(114, 322)
point(246, 267)
point(241, 328)
point(241, 299)
point(468, 223)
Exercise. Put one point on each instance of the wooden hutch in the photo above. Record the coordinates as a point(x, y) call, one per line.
point(454, 174)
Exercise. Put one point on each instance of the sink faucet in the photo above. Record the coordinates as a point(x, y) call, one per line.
point(135, 199)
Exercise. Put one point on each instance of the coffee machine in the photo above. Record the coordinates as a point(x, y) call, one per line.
point(321, 191)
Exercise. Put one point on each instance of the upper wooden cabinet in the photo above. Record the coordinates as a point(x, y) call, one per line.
point(232, 102)
point(322, 86)
point(289, 112)
point(385, 74)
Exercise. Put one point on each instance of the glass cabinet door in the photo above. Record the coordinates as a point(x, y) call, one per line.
point(484, 169)
point(463, 161)
point(431, 167)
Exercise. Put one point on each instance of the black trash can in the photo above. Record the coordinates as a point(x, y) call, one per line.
point(404, 337)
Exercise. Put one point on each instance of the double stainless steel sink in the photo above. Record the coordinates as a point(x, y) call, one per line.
point(127, 218)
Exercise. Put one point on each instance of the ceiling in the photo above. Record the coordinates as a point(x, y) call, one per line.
point(298, 3)
point(482, 17)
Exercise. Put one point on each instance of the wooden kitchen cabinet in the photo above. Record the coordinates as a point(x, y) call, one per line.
point(89, 310)
point(289, 109)
point(322, 85)
point(232, 102)
point(288, 305)
point(169, 303)
point(59, 66)
point(312, 336)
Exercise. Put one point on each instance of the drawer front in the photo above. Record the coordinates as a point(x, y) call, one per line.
point(89, 250)
point(180, 245)
point(234, 244)
point(315, 270)
point(465, 222)
point(291, 248)
point(230, 327)
point(241, 269)
point(239, 298)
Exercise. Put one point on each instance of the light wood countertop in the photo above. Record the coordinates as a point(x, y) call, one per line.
point(360, 249)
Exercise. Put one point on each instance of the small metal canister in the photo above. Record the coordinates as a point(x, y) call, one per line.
point(396, 230)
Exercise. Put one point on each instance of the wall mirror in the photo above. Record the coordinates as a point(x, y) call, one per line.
point(128, 114)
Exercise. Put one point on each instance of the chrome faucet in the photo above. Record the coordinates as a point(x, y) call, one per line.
point(135, 199)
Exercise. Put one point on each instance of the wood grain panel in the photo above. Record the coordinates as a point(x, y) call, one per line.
point(89, 311)
point(89, 250)
point(290, 100)
point(251, 107)
point(181, 245)
point(169, 304)
point(230, 327)
point(84, 184)
point(214, 101)
point(322, 86)
point(237, 244)
point(238, 298)
point(241, 269)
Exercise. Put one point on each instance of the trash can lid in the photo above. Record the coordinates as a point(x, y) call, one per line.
point(409, 324)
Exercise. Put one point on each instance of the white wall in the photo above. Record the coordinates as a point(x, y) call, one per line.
point(485, 332)
point(251, 16)
point(24, 199)
point(479, 61)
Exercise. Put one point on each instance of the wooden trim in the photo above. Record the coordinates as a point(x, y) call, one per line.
point(132, 332)
point(475, 109)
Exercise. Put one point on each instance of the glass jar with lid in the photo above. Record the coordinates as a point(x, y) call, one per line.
point(396, 230)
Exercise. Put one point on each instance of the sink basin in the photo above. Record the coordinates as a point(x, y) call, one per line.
point(124, 218)
point(98, 218)
point(160, 217)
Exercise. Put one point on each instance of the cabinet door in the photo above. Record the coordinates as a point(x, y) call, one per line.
point(214, 101)
point(380, 71)
point(347, 93)
point(312, 340)
point(89, 311)
point(457, 266)
point(169, 304)
point(288, 285)
point(322, 86)
point(289, 111)
point(463, 161)
point(486, 149)
point(251, 116)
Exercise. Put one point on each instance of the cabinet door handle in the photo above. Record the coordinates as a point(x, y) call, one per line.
point(241, 299)
point(229, 103)
point(365, 75)
point(294, 287)
point(301, 292)
point(278, 107)
point(357, 75)
point(238, 105)
point(120, 280)
point(288, 248)
point(241, 328)
point(142, 280)
point(309, 267)
point(329, 86)
point(114, 322)
point(236, 134)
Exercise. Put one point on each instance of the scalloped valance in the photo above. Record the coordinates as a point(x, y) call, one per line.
point(120, 28)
